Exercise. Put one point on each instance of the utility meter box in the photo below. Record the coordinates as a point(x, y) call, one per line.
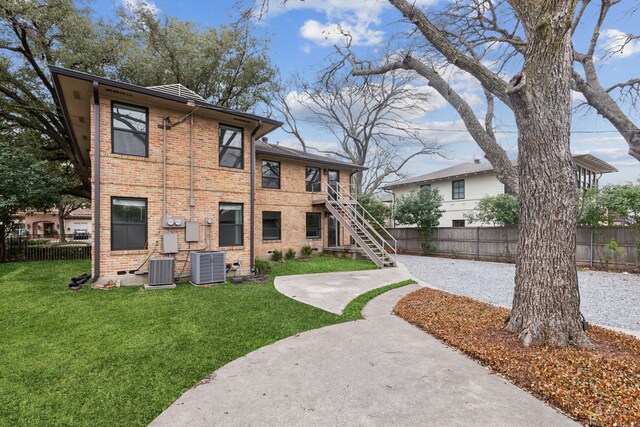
point(170, 243)
point(192, 232)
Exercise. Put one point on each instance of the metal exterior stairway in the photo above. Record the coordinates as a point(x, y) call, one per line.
point(359, 223)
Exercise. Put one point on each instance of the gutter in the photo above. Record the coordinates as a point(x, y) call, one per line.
point(96, 182)
point(253, 196)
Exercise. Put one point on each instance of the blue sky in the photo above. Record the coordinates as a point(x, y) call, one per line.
point(302, 35)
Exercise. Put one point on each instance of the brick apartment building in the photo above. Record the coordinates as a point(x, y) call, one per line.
point(162, 157)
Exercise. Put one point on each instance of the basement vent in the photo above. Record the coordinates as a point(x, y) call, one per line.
point(161, 271)
point(208, 267)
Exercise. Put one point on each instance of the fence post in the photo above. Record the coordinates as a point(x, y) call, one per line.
point(591, 248)
point(477, 242)
point(437, 241)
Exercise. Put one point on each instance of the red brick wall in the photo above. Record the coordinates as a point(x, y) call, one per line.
point(139, 177)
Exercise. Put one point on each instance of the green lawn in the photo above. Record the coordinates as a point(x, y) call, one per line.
point(120, 357)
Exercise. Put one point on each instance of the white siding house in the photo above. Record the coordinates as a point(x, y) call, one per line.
point(463, 185)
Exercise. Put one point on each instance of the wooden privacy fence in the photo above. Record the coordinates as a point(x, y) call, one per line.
point(500, 244)
point(20, 248)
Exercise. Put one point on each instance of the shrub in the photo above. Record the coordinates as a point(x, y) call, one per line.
point(276, 256)
point(262, 266)
point(306, 251)
point(291, 254)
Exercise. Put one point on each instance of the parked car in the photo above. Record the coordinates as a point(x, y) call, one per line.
point(80, 235)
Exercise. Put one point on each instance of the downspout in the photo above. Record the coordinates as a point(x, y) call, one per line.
point(192, 199)
point(96, 182)
point(165, 120)
point(253, 196)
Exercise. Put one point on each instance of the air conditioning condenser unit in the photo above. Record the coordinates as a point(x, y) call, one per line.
point(208, 267)
point(161, 273)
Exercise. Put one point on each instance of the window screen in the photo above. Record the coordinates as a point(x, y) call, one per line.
point(129, 130)
point(312, 179)
point(270, 174)
point(230, 233)
point(313, 225)
point(128, 224)
point(231, 147)
point(270, 225)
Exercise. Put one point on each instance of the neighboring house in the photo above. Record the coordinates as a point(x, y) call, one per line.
point(47, 225)
point(463, 185)
point(163, 157)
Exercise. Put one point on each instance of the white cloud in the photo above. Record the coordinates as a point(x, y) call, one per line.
point(617, 44)
point(306, 48)
point(327, 34)
point(137, 4)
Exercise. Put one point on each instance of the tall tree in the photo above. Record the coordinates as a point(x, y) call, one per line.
point(536, 37)
point(229, 66)
point(25, 183)
point(372, 120)
point(34, 34)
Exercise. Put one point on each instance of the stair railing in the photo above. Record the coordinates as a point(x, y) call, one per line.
point(363, 222)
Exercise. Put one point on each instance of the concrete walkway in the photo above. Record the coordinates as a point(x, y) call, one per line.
point(333, 291)
point(378, 371)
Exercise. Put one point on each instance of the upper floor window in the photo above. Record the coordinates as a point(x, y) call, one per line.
point(128, 224)
point(270, 174)
point(129, 130)
point(457, 189)
point(231, 147)
point(312, 179)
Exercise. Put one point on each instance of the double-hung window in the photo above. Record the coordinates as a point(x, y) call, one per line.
point(231, 147)
point(129, 130)
point(270, 225)
point(128, 224)
point(270, 174)
point(312, 179)
point(313, 225)
point(457, 189)
point(230, 220)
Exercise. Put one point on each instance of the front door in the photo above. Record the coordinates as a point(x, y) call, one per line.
point(333, 178)
point(334, 231)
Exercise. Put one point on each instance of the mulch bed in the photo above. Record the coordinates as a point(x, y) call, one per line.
point(599, 386)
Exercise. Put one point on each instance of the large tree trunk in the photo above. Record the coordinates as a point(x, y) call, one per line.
point(61, 214)
point(546, 304)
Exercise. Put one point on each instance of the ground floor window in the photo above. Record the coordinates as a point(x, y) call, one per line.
point(313, 225)
point(230, 220)
point(458, 223)
point(270, 225)
point(128, 224)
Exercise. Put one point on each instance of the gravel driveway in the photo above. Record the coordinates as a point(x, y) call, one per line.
point(609, 299)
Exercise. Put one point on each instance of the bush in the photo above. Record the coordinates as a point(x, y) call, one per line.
point(276, 256)
point(262, 266)
point(306, 251)
point(291, 254)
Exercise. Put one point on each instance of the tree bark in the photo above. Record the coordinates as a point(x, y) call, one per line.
point(546, 304)
point(61, 215)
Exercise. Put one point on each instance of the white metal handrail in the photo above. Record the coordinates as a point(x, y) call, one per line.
point(359, 219)
point(358, 204)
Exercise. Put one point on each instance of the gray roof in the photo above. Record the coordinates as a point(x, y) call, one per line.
point(593, 163)
point(178, 90)
point(457, 170)
point(290, 153)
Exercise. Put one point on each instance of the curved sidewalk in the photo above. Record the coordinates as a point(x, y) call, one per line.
point(377, 371)
point(333, 291)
